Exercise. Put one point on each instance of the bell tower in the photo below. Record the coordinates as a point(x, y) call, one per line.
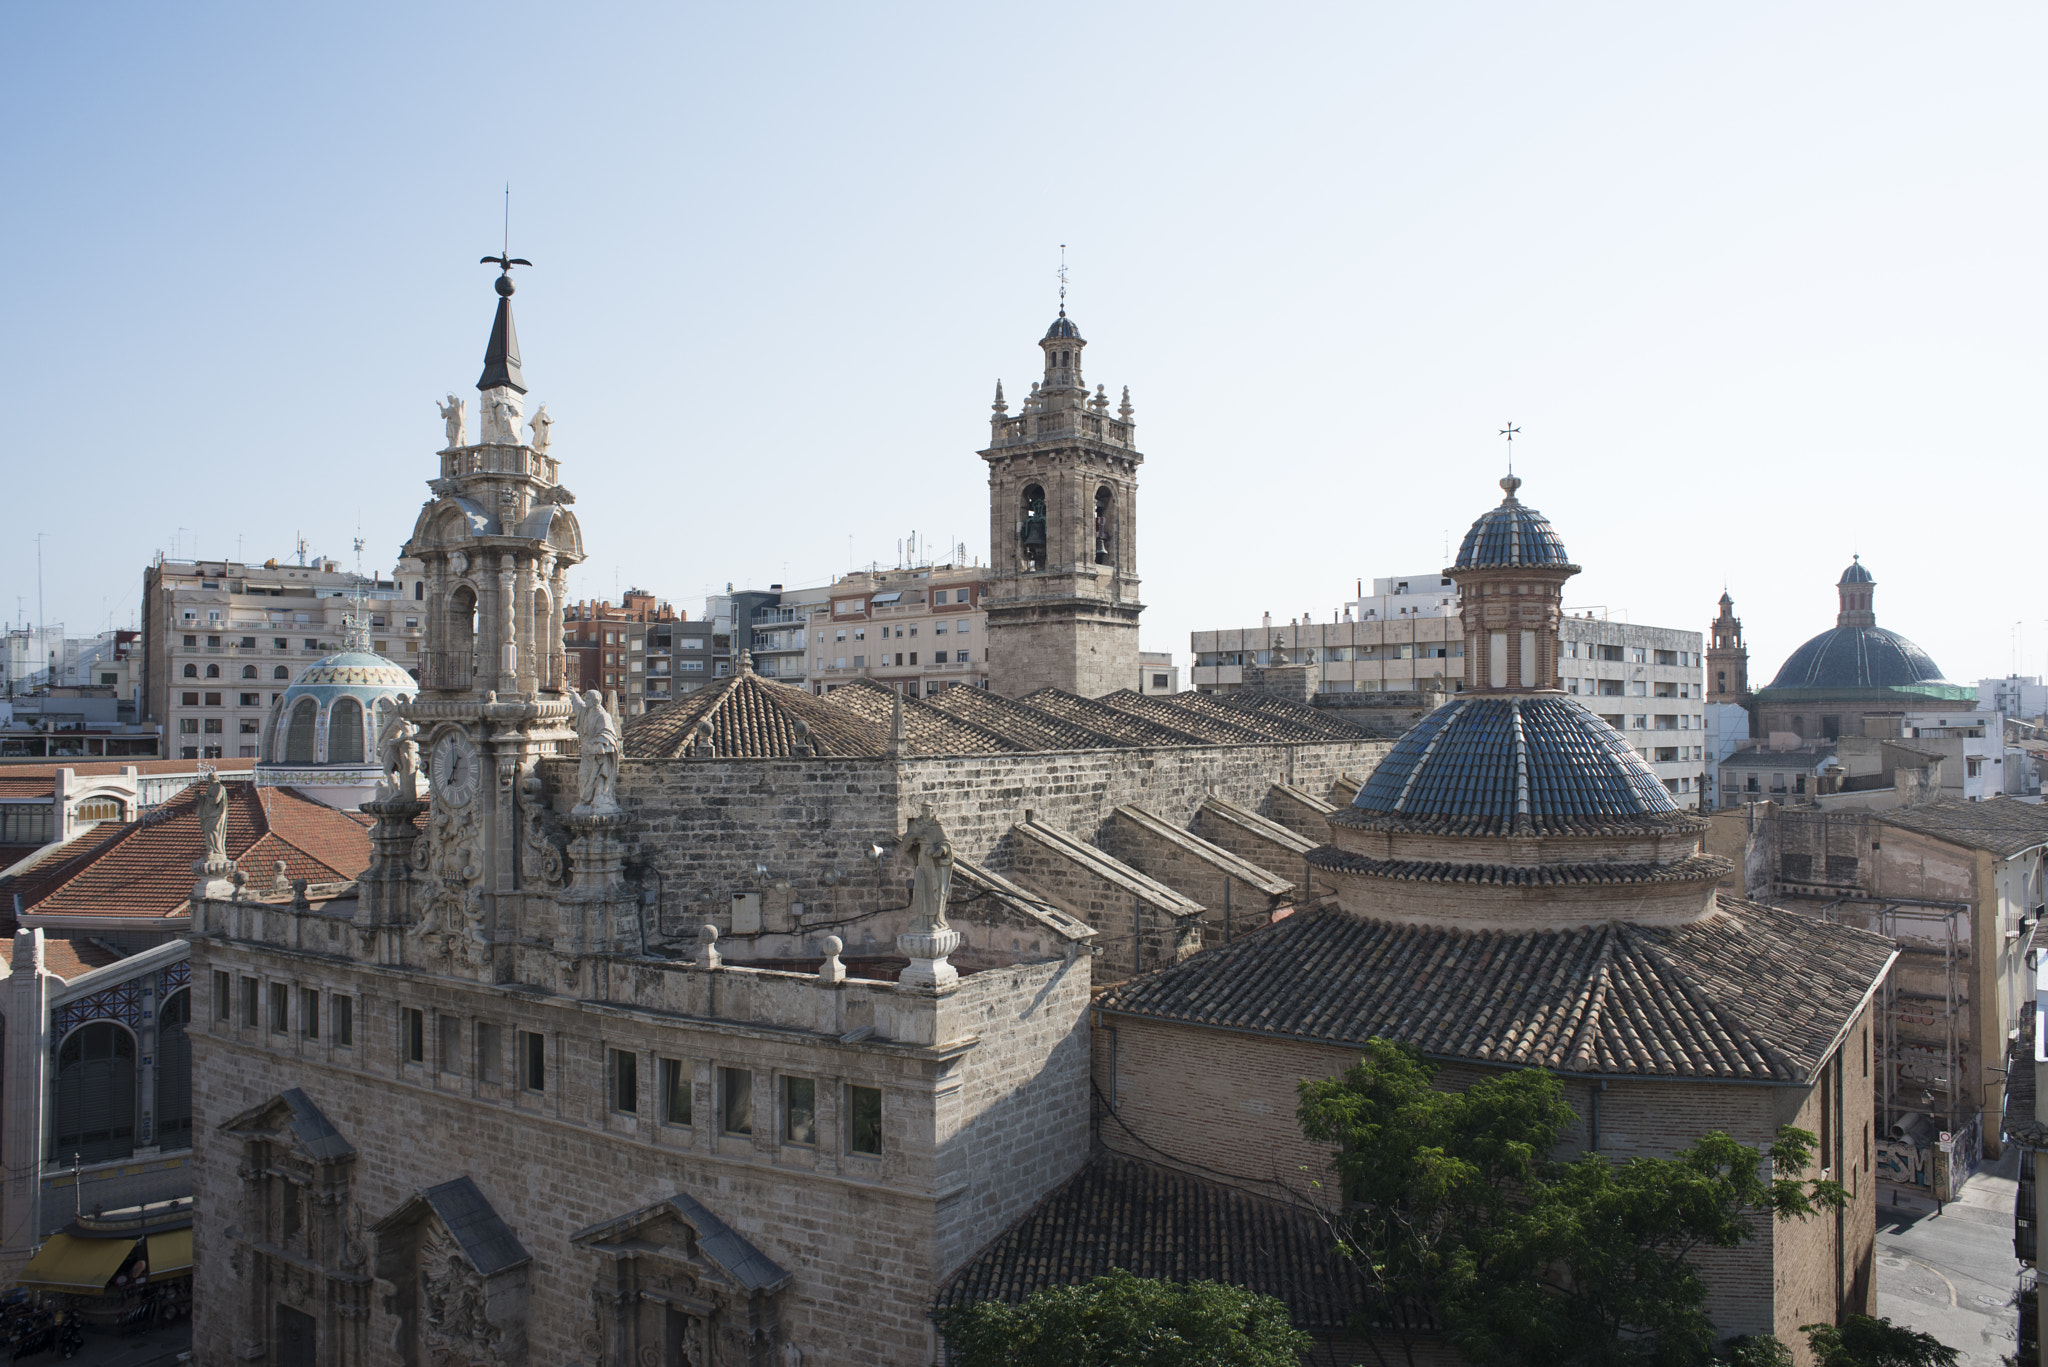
point(1727, 658)
point(1063, 599)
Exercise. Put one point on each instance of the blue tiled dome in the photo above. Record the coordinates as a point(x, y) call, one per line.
point(1856, 574)
point(1514, 764)
point(1063, 326)
point(1857, 657)
point(1511, 535)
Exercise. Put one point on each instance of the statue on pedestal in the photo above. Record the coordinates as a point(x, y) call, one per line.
point(398, 751)
point(452, 415)
point(540, 423)
point(213, 819)
point(599, 747)
point(924, 841)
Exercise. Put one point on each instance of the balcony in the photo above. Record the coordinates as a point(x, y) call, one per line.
point(449, 669)
point(773, 615)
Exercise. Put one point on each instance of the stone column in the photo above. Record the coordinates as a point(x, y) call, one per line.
point(508, 633)
point(27, 1065)
point(599, 915)
point(384, 902)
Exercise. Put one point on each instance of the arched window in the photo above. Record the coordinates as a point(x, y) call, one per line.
point(248, 671)
point(345, 732)
point(213, 671)
point(419, 589)
point(1105, 501)
point(280, 673)
point(191, 671)
point(298, 736)
point(460, 665)
point(174, 1072)
point(1031, 529)
point(95, 1094)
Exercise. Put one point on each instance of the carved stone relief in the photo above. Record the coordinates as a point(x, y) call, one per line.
point(455, 1331)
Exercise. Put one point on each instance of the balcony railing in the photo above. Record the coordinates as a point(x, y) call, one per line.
point(452, 669)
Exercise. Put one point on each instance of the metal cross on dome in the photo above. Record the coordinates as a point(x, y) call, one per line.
point(1509, 432)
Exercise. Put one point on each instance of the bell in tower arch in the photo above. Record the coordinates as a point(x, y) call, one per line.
point(1031, 533)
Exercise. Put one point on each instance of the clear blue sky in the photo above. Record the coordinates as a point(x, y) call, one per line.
point(1761, 284)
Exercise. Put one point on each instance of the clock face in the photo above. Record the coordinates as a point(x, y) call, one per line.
point(454, 769)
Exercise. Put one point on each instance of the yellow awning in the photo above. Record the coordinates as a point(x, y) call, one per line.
point(82, 1267)
point(170, 1255)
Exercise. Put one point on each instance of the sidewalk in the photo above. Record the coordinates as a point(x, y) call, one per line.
point(158, 1348)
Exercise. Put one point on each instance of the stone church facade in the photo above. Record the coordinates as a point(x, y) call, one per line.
point(671, 1046)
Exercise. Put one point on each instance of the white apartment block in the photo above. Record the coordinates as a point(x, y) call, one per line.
point(222, 639)
point(1646, 682)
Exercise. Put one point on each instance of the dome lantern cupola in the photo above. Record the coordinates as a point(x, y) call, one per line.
point(1857, 588)
point(1511, 570)
point(1063, 344)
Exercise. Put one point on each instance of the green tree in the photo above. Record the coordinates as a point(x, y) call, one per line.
point(1122, 1320)
point(1861, 1341)
point(1456, 1209)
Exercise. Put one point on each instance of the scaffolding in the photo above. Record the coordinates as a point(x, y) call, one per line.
point(1930, 1126)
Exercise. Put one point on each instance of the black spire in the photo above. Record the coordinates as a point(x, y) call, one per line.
point(501, 356)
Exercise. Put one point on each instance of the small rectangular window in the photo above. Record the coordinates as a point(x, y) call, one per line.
point(412, 1035)
point(489, 1045)
point(799, 1110)
point(533, 1061)
point(625, 1081)
point(675, 1091)
point(309, 1012)
point(864, 1131)
point(449, 1029)
point(280, 1008)
point(341, 1020)
point(736, 1100)
point(223, 995)
point(252, 992)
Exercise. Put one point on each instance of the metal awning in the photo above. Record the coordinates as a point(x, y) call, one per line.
point(884, 599)
point(81, 1267)
point(170, 1254)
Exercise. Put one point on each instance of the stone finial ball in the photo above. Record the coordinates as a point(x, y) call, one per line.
point(504, 285)
point(833, 944)
point(710, 934)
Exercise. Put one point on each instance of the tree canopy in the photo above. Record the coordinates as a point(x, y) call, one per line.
point(1456, 1211)
point(1123, 1320)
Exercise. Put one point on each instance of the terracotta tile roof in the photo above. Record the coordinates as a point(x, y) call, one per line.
point(144, 868)
point(753, 718)
point(926, 729)
point(70, 958)
point(1753, 994)
point(1999, 825)
point(1298, 721)
point(1119, 1212)
point(1020, 723)
point(1126, 728)
point(1214, 726)
point(39, 779)
point(1699, 868)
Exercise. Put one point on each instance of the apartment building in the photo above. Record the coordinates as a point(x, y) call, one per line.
point(609, 644)
point(1157, 673)
point(1646, 682)
point(221, 641)
point(920, 630)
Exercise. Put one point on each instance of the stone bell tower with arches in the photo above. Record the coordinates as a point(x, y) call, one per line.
point(496, 540)
point(1063, 599)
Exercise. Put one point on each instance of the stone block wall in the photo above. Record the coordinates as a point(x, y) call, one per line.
point(1254, 838)
point(1201, 872)
point(1303, 813)
point(985, 1095)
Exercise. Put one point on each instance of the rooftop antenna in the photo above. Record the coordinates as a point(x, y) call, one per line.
point(302, 549)
point(1063, 279)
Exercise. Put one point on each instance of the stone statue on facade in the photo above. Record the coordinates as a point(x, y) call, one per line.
point(213, 820)
point(501, 422)
point(925, 843)
point(398, 751)
point(541, 422)
point(452, 413)
point(599, 747)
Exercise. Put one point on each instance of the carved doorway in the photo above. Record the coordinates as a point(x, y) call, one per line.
point(682, 1340)
point(295, 1338)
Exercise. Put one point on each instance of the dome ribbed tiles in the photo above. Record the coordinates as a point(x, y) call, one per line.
point(1515, 763)
point(1857, 657)
point(1511, 535)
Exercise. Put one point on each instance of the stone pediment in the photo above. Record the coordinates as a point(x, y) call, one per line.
point(457, 1275)
point(292, 1119)
point(680, 1236)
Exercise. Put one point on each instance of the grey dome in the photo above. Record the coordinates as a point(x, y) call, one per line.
point(1063, 326)
point(1856, 574)
point(1857, 657)
point(1510, 535)
point(1520, 763)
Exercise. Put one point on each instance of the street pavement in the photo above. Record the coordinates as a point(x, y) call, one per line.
point(1951, 1273)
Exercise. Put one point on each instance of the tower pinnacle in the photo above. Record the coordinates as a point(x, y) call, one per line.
point(501, 353)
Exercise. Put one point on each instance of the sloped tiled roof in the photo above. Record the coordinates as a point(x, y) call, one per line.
point(1214, 726)
point(1025, 726)
point(1998, 825)
point(144, 868)
point(1126, 728)
point(1119, 1212)
point(926, 729)
point(1295, 720)
point(753, 718)
point(77, 956)
point(1750, 994)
